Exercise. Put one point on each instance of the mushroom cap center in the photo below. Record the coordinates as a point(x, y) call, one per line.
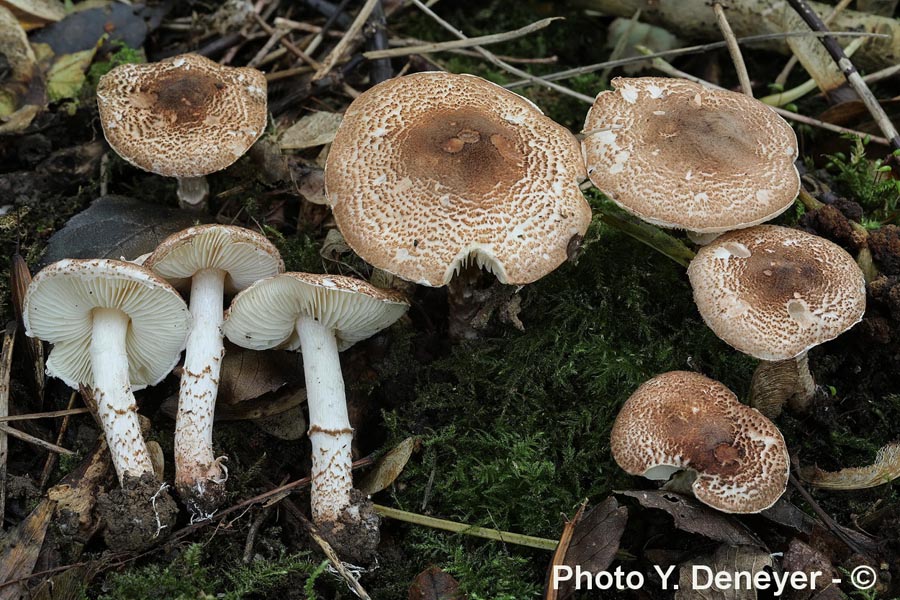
point(463, 150)
point(182, 97)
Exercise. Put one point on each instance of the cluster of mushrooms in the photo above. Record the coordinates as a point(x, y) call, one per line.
point(429, 174)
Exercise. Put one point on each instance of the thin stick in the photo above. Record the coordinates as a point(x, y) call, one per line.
point(849, 70)
point(9, 339)
point(788, 96)
point(51, 457)
point(544, 60)
point(34, 440)
point(882, 74)
point(733, 49)
point(46, 415)
point(499, 63)
point(482, 532)
point(467, 43)
point(329, 23)
point(792, 62)
point(668, 69)
point(686, 50)
point(338, 51)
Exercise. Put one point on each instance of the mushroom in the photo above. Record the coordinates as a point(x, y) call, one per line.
point(773, 293)
point(320, 315)
point(210, 261)
point(115, 328)
point(183, 117)
point(683, 156)
point(683, 420)
point(433, 171)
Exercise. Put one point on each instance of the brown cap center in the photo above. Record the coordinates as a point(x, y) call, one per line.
point(183, 96)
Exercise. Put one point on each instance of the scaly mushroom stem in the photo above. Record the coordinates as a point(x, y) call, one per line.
point(329, 425)
point(193, 193)
point(778, 382)
point(116, 405)
point(195, 465)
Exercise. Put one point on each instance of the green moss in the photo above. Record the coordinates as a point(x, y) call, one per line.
point(868, 182)
point(122, 55)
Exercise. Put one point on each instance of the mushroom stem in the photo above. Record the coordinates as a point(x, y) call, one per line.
point(193, 193)
point(195, 464)
point(778, 382)
point(116, 405)
point(329, 425)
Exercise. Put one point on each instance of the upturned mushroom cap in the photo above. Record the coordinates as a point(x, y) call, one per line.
point(185, 116)
point(682, 420)
point(429, 169)
point(774, 292)
point(58, 309)
point(265, 314)
point(683, 156)
point(245, 256)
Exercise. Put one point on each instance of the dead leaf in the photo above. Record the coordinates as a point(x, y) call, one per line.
point(730, 559)
point(694, 517)
point(389, 466)
point(594, 542)
point(802, 557)
point(116, 227)
point(434, 584)
point(67, 74)
point(32, 14)
point(885, 469)
point(20, 279)
point(315, 129)
point(334, 246)
point(117, 21)
point(811, 53)
point(289, 425)
point(22, 93)
point(247, 374)
point(21, 547)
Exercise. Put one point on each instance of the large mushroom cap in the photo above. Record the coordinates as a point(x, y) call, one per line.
point(683, 156)
point(185, 116)
point(775, 292)
point(682, 420)
point(245, 256)
point(429, 169)
point(265, 314)
point(58, 309)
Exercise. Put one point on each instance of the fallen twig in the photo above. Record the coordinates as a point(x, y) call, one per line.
point(733, 49)
point(35, 440)
point(793, 60)
point(482, 532)
point(493, 38)
point(46, 415)
point(566, 74)
point(849, 70)
point(499, 63)
point(9, 339)
point(338, 51)
point(63, 427)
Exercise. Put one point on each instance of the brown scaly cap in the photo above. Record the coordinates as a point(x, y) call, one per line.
point(265, 315)
point(682, 420)
point(245, 255)
point(683, 156)
point(185, 116)
point(431, 168)
point(775, 292)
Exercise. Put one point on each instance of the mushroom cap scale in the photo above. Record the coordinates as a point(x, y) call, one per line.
point(265, 315)
point(774, 292)
point(245, 255)
point(185, 116)
point(680, 155)
point(430, 170)
point(683, 420)
point(58, 309)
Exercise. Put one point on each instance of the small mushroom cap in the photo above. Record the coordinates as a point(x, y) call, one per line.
point(429, 169)
point(682, 420)
point(680, 155)
point(58, 309)
point(185, 116)
point(245, 255)
point(774, 292)
point(265, 315)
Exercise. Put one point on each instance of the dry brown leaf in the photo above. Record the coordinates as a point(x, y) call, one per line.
point(35, 13)
point(804, 558)
point(594, 542)
point(729, 559)
point(316, 129)
point(289, 425)
point(247, 374)
point(885, 469)
point(693, 517)
point(389, 467)
point(434, 584)
point(21, 547)
point(22, 93)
